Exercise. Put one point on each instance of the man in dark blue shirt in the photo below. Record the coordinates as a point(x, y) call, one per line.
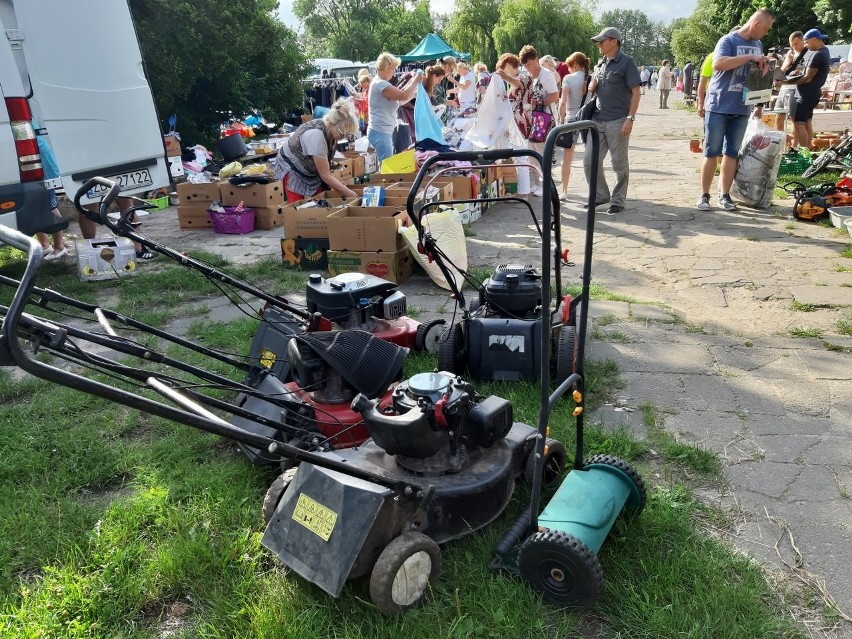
point(817, 62)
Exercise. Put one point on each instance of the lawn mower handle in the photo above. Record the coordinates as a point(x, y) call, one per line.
point(106, 200)
point(547, 400)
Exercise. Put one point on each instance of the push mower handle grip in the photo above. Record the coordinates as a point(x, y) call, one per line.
point(112, 193)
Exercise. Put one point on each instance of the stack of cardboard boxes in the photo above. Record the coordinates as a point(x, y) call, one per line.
point(267, 200)
point(345, 236)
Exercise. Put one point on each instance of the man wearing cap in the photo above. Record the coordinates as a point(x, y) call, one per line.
point(615, 84)
point(727, 114)
point(817, 62)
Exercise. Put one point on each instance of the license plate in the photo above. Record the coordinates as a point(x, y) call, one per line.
point(132, 180)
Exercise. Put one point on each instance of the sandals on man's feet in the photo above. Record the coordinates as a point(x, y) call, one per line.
point(145, 254)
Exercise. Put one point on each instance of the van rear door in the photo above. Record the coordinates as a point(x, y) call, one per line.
point(87, 78)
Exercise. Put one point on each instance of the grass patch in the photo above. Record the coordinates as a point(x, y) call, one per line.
point(697, 460)
point(847, 252)
point(804, 308)
point(797, 331)
point(844, 326)
point(598, 292)
point(123, 518)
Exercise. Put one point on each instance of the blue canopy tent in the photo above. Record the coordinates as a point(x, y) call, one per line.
point(432, 47)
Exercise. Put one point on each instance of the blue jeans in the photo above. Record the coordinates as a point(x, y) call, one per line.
point(723, 134)
point(382, 142)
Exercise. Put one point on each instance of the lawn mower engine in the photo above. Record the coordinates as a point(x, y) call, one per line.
point(364, 302)
point(435, 424)
point(328, 370)
point(513, 290)
point(501, 338)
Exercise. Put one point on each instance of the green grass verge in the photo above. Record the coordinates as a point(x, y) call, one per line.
point(118, 524)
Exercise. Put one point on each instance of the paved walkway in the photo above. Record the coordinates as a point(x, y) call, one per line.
point(710, 342)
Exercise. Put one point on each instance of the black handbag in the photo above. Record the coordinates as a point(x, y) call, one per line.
point(587, 112)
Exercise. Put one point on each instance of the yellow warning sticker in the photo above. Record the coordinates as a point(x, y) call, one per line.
point(267, 358)
point(314, 516)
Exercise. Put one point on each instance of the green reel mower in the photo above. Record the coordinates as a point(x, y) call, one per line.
point(555, 550)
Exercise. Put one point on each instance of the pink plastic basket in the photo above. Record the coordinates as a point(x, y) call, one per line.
point(232, 221)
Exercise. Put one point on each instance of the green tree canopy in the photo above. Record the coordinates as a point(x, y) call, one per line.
point(697, 35)
point(205, 58)
point(647, 41)
point(361, 29)
point(471, 28)
point(553, 27)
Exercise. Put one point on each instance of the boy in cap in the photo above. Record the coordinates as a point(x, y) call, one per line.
point(817, 62)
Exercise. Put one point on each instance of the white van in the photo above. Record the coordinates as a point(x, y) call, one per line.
point(77, 70)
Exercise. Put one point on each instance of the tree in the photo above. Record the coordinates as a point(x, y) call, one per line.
point(645, 40)
point(215, 56)
point(471, 28)
point(555, 27)
point(696, 36)
point(835, 16)
point(361, 29)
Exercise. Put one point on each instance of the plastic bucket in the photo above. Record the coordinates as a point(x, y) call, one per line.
point(232, 147)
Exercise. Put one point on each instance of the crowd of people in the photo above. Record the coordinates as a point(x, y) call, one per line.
point(540, 92)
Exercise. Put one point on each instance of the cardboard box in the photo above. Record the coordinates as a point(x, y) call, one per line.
point(394, 266)
point(105, 258)
point(364, 228)
point(385, 179)
point(192, 217)
point(190, 193)
point(343, 172)
point(253, 195)
point(304, 254)
point(268, 217)
point(172, 145)
point(310, 222)
point(356, 162)
point(508, 173)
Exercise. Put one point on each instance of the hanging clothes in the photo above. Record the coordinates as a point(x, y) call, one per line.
point(426, 124)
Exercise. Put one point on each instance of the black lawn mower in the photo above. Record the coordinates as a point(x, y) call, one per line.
point(499, 334)
point(441, 461)
point(321, 417)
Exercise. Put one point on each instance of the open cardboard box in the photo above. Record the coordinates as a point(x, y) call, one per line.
point(394, 266)
point(303, 221)
point(366, 228)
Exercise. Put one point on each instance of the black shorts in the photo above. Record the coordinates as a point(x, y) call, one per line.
point(805, 108)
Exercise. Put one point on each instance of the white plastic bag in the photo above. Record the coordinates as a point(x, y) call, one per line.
point(446, 227)
point(758, 164)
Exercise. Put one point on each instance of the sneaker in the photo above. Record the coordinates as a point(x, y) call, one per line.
point(537, 192)
point(703, 203)
point(726, 203)
point(56, 255)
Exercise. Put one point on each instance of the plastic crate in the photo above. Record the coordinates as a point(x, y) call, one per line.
point(160, 202)
point(232, 221)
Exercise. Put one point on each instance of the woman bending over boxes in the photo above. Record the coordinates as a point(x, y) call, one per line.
point(304, 161)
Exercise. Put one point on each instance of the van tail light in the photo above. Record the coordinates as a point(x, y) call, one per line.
point(26, 144)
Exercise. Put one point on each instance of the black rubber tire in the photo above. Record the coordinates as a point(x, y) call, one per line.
point(562, 568)
point(827, 157)
point(275, 493)
point(628, 470)
point(565, 349)
point(452, 350)
point(428, 336)
point(405, 573)
point(555, 460)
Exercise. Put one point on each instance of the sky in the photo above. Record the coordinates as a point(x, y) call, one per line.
point(656, 10)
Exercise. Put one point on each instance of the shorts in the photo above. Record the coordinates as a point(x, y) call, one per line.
point(723, 134)
point(54, 203)
point(786, 100)
point(805, 109)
